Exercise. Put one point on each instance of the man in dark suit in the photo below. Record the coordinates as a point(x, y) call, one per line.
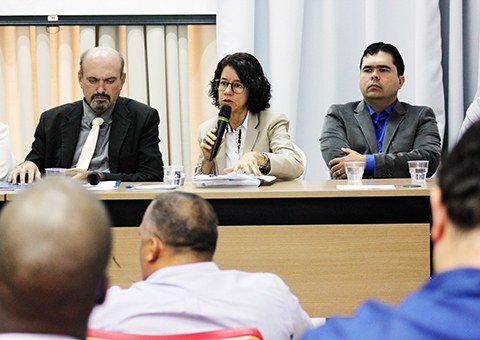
point(127, 147)
point(380, 131)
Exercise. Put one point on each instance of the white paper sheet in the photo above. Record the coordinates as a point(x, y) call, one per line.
point(103, 186)
point(151, 187)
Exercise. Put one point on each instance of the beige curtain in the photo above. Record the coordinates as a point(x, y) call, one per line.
point(166, 69)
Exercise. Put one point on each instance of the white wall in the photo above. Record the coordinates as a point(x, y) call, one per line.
point(107, 7)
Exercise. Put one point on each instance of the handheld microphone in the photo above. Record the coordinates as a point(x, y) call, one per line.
point(223, 117)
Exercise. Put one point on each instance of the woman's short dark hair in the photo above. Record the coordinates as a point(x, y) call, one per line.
point(251, 74)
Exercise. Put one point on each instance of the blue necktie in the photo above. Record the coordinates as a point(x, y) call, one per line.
point(380, 126)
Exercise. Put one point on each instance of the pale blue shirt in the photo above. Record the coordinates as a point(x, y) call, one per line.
point(34, 336)
point(200, 297)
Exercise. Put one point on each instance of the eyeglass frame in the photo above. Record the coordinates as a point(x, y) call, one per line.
point(231, 84)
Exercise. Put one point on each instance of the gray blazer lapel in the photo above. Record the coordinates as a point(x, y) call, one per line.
point(397, 115)
point(362, 115)
point(120, 125)
point(252, 134)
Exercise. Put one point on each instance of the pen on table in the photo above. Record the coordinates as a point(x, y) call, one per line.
point(128, 186)
point(117, 184)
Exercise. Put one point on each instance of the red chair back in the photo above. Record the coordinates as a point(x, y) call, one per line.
point(221, 334)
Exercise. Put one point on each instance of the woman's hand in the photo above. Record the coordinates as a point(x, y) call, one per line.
point(248, 163)
point(207, 144)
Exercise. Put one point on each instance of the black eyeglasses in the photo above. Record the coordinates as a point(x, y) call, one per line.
point(237, 86)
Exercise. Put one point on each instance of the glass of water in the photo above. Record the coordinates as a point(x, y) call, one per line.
point(354, 172)
point(418, 171)
point(173, 175)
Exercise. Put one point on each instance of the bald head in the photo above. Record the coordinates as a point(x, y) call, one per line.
point(101, 77)
point(184, 221)
point(54, 246)
point(103, 52)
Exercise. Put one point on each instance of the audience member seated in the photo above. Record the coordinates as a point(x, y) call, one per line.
point(126, 143)
point(448, 305)
point(256, 140)
point(184, 291)
point(7, 161)
point(380, 131)
point(54, 247)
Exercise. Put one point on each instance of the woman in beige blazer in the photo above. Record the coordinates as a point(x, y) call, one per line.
point(256, 140)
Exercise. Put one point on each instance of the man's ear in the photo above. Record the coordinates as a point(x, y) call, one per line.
point(154, 249)
point(401, 81)
point(79, 78)
point(439, 215)
point(101, 290)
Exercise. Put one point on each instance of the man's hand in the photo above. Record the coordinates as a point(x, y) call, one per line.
point(337, 165)
point(21, 171)
point(80, 174)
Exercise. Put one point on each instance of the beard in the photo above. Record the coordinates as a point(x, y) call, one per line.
point(100, 103)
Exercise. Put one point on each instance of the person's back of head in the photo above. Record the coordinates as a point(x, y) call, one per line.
point(459, 181)
point(54, 247)
point(456, 206)
point(184, 222)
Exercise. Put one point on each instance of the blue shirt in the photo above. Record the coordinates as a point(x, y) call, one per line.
point(380, 124)
point(446, 307)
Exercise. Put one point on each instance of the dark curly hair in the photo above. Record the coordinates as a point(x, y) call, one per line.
point(251, 74)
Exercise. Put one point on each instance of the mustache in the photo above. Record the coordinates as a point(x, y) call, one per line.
point(375, 84)
point(100, 96)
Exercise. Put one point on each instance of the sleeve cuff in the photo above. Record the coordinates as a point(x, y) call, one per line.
point(370, 164)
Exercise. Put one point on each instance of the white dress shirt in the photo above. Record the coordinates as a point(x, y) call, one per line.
point(7, 161)
point(200, 297)
point(234, 142)
point(472, 116)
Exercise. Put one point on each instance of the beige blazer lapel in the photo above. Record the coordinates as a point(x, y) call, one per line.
point(252, 132)
point(221, 159)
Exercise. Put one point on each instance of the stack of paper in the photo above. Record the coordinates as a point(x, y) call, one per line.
point(231, 179)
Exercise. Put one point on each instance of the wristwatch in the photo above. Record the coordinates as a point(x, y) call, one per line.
point(267, 160)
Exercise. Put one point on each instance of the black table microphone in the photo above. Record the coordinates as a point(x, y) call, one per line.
point(93, 178)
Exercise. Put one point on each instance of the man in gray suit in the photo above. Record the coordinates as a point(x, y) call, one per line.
point(380, 131)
